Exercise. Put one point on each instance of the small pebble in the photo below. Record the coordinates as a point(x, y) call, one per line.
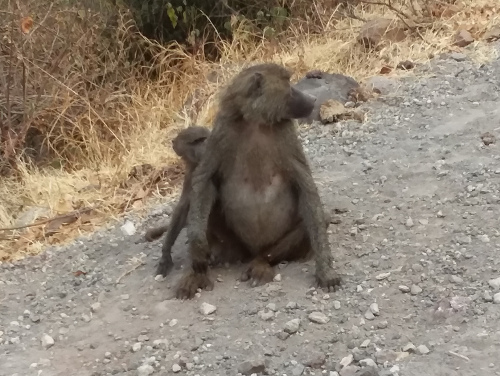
point(423, 350)
point(494, 283)
point(415, 290)
point(382, 276)
point(318, 318)
point(404, 288)
point(145, 370)
point(95, 307)
point(346, 360)
point(409, 223)
point(496, 298)
point(176, 368)
point(128, 228)
point(47, 341)
point(292, 326)
point(207, 309)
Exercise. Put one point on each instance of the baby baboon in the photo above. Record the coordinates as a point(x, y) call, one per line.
point(189, 144)
point(255, 166)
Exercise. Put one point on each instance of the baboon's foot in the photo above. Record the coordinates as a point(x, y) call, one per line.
point(222, 255)
point(164, 266)
point(259, 272)
point(191, 282)
point(328, 279)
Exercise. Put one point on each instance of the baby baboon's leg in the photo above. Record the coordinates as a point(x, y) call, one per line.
point(177, 223)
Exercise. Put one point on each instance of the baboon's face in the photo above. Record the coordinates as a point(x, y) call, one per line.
point(263, 93)
point(190, 143)
point(300, 105)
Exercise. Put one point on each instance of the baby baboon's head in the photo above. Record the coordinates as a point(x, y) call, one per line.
point(189, 144)
point(263, 94)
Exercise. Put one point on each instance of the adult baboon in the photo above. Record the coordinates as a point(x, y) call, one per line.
point(189, 144)
point(255, 166)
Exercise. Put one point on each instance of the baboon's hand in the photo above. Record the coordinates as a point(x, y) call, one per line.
point(200, 258)
point(327, 277)
point(191, 282)
point(164, 266)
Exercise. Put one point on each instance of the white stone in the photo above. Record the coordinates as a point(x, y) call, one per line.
point(128, 228)
point(47, 341)
point(374, 309)
point(207, 309)
point(318, 317)
point(176, 368)
point(95, 307)
point(494, 283)
point(292, 326)
point(145, 370)
point(496, 298)
point(346, 360)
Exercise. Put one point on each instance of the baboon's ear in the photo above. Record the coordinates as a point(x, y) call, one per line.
point(255, 83)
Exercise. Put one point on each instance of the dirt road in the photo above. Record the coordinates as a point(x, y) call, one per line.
point(417, 238)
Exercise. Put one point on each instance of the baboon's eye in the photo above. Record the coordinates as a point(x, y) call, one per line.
point(198, 141)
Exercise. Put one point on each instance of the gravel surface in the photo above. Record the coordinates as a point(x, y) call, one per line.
point(416, 203)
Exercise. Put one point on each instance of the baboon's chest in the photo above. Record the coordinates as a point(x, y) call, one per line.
point(256, 193)
point(258, 162)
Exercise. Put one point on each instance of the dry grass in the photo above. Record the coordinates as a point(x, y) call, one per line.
point(141, 118)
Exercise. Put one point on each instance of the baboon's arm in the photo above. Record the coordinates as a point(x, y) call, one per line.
point(203, 197)
point(311, 211)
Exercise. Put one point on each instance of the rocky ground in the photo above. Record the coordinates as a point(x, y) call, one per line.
point(415, 193)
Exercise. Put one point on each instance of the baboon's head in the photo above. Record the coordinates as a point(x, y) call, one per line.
point(263, 94)
point(189, 143)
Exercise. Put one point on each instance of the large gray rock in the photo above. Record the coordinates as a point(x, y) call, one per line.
point(325, 86)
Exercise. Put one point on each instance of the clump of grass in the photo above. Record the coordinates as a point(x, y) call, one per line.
point(76, 83)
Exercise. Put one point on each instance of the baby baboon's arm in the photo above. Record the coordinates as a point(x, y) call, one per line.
point(311, 212)
point(177, 223)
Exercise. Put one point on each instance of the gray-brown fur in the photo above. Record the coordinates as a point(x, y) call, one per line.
point(255, 166)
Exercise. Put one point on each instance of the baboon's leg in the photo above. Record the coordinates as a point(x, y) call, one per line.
point(228, 246)
point(202, 201)
point(295, 245)
point(177, 223)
